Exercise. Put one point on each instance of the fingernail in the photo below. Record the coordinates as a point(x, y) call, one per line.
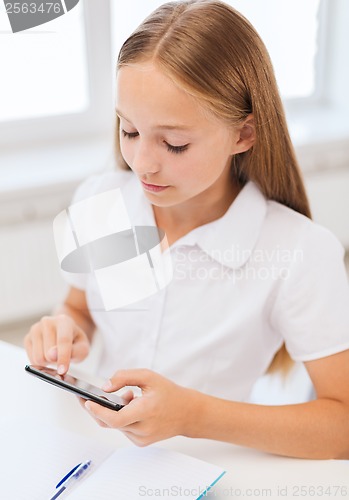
point(107, 386)
point(61, 369)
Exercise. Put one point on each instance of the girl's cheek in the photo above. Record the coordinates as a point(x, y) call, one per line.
point(126, 152)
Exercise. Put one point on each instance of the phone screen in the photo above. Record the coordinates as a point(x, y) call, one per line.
point(77, 386)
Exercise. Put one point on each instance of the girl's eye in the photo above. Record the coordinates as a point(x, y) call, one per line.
point(176, 149)
point(170, 148)
point(130, 135)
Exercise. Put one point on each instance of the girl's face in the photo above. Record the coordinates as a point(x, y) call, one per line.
point(177, 149)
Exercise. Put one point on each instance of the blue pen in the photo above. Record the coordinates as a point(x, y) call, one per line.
point(71, 478)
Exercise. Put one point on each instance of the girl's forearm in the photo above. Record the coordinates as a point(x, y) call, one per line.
point(318, 429)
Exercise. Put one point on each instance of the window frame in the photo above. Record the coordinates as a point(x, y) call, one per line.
point(324, 137)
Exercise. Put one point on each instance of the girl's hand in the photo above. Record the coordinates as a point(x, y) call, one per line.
point(56, 339)
point(164, 409)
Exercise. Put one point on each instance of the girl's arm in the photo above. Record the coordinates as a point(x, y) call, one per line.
point(317, 429)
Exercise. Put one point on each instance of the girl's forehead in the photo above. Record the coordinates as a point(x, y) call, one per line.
point(146, 87)
point(147, 75)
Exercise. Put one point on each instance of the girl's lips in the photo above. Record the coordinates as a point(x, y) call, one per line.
point(153, 188)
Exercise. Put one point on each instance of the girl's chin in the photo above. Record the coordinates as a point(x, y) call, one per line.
point(162, 201)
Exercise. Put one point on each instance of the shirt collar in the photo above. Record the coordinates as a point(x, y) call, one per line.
point(229, 240)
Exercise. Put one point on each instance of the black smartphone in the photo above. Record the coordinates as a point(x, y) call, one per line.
point(77, 386)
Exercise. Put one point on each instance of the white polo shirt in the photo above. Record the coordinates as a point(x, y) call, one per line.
point(260, 275)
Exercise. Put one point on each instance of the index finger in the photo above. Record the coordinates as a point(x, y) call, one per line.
point(64, 346)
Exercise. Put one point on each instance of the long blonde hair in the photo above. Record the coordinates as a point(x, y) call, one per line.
point(211, 51)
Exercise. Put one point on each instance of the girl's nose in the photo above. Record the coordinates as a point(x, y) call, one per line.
point(145, 160)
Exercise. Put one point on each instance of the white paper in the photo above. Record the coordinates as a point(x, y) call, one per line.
point(35, 456)
point(133, 473)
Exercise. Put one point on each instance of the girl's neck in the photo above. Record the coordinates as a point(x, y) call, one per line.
point(207, 207)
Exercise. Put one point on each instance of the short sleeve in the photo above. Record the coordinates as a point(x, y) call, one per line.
point(89, 187)
point(311, 311)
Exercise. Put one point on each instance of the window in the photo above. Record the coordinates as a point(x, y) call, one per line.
point(290, 32)
point(44, 70)
point(307, 41)
point(56, 79)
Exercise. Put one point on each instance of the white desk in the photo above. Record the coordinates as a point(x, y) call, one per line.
point(249, 473)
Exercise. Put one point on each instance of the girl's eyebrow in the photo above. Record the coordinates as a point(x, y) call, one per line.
point(177, 126)
point(118, 112)
point(173, 127)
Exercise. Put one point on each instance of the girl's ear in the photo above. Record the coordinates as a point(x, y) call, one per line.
point(246, 135)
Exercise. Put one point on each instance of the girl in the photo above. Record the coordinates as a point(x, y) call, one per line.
point(204, 153)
